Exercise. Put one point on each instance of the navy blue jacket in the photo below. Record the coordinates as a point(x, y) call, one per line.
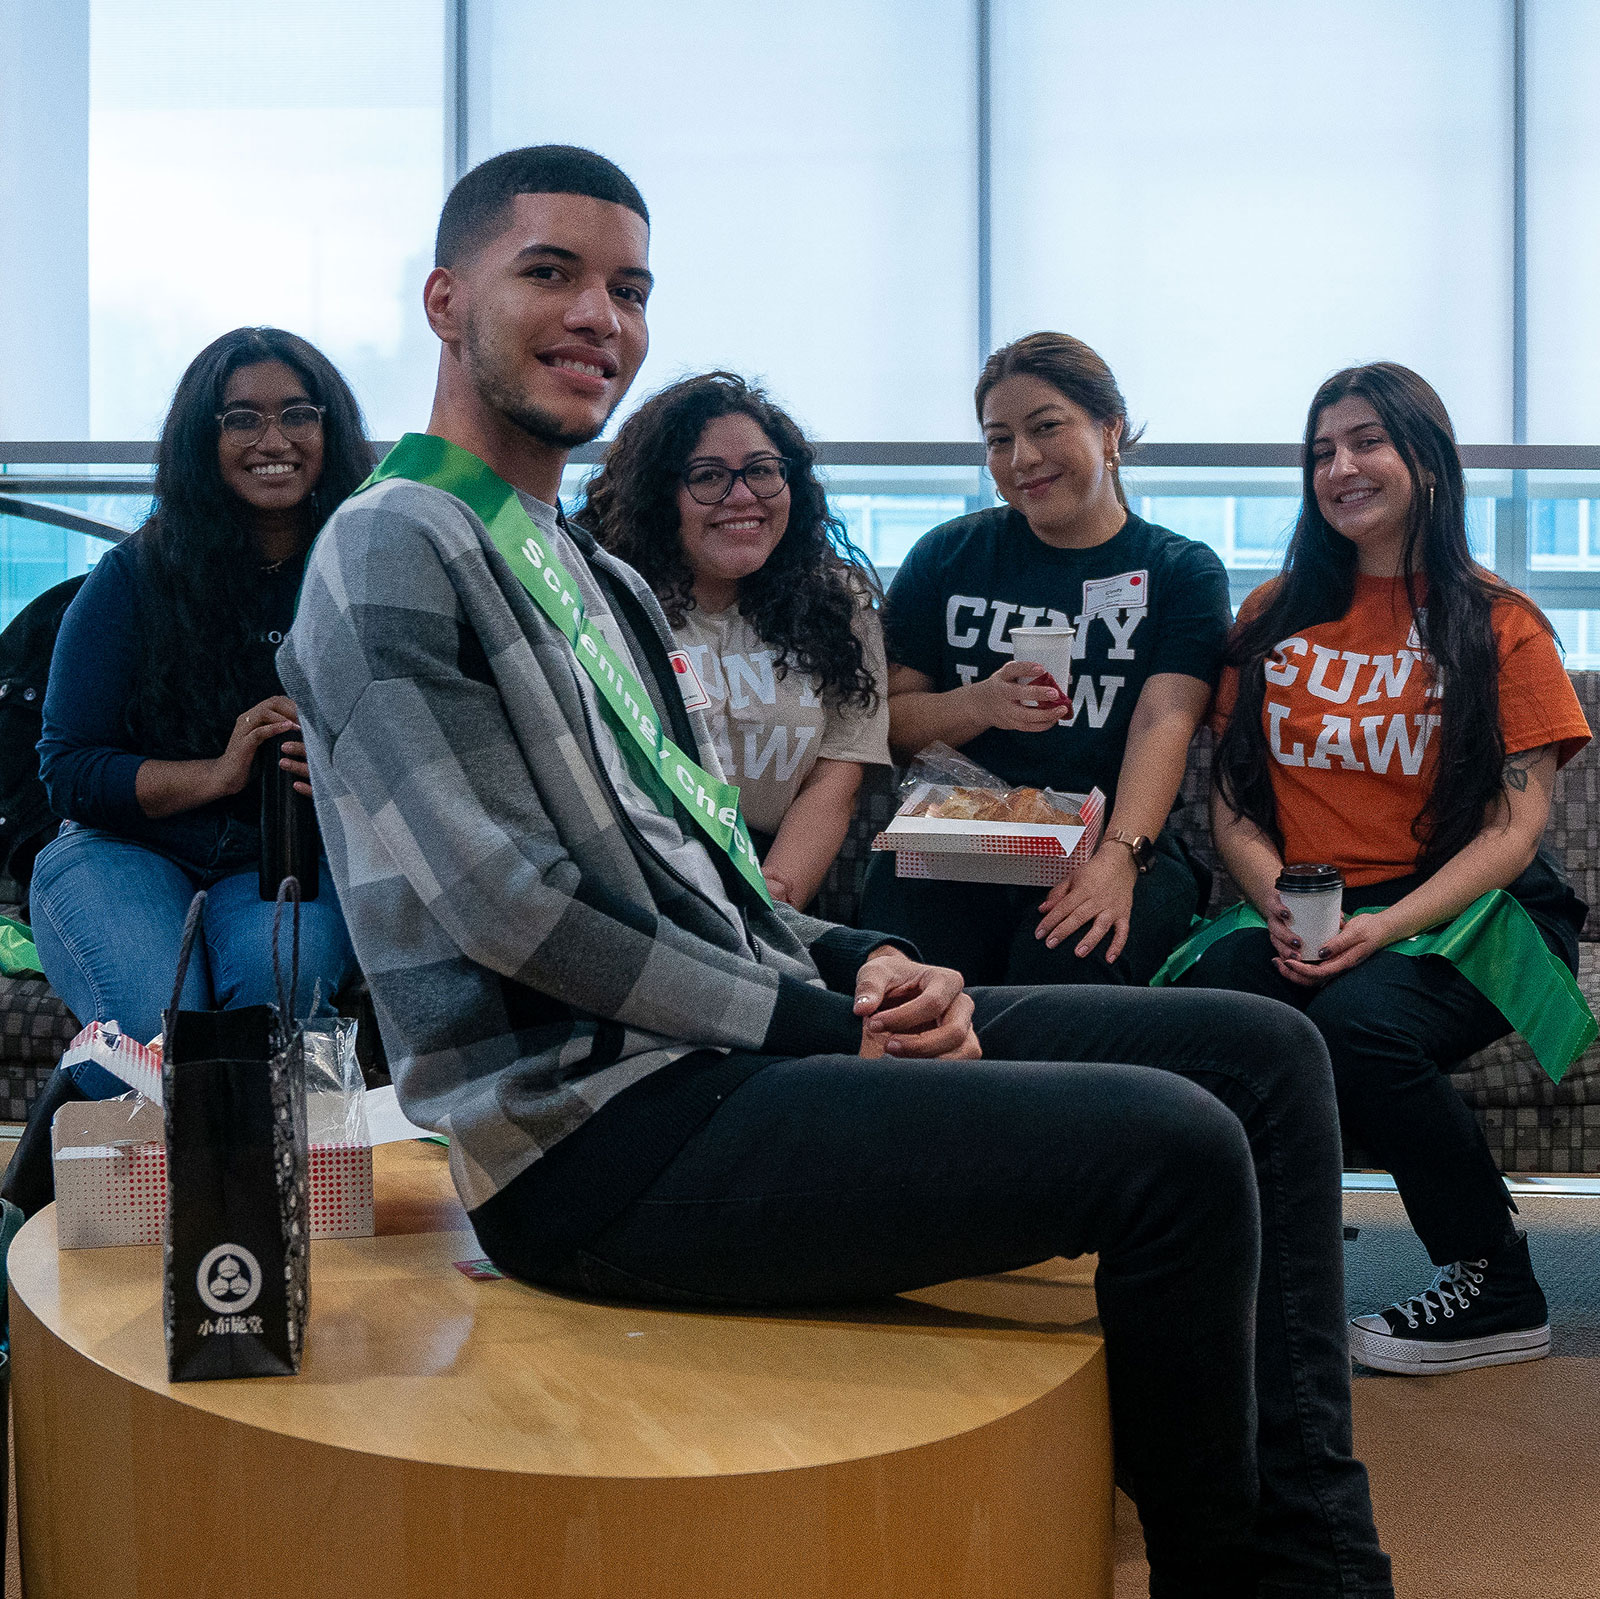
point(90, 755)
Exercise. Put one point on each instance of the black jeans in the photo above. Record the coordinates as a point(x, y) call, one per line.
point(1191, 1140)
point(985, 930)
point(1394, 1026)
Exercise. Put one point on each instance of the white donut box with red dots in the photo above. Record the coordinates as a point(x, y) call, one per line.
point(1034, 853)
point(110, 1158)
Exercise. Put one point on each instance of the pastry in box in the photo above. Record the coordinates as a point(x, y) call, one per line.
point(960, 823)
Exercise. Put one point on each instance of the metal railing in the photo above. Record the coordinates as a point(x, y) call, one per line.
point(27, 482)
point(965, 452)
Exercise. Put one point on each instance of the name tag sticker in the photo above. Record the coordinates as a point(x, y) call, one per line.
point(690, 687)
point(1130, 590)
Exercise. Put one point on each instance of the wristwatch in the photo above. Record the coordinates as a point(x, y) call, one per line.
point(1139, 847)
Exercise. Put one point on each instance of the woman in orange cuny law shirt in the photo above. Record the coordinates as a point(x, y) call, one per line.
point(1394, 710)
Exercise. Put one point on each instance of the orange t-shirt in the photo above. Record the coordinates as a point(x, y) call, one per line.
point(1350, 719)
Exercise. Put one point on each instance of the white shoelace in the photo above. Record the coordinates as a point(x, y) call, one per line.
point(1452, 1288)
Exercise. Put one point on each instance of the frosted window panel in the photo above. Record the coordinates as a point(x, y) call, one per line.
point(1232, 201)
point(44, 201)
point(247, 165)
point(810, 172)
point(1563, 64)
point(1579, 633)
point(1261, 527)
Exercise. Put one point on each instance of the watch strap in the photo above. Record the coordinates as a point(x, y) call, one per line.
point(1139, 847)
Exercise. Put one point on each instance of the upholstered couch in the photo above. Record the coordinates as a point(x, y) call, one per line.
point(1533, 1125)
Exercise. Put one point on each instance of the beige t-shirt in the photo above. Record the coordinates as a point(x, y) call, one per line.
point(771, 731)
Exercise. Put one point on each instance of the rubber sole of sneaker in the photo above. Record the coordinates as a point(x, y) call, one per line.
point(1412, 1357)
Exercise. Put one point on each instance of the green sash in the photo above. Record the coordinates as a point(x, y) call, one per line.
point(18, 957)
point(657, 764)
point(1494, 944)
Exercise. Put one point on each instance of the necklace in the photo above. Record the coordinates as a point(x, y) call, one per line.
point(274, 566)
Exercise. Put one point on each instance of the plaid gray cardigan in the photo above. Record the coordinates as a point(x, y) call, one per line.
point(529, 954)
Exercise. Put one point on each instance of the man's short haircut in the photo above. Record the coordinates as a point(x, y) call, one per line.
point(477, 206)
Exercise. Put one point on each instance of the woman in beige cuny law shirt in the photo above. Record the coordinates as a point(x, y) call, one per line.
point(709, 491)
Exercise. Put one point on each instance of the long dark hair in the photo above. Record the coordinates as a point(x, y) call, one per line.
point(1318, 584)
point(198, 561)
point(803, 601)
point(1069, 366)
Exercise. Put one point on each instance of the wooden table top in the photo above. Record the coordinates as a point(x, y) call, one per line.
point(407, 1357)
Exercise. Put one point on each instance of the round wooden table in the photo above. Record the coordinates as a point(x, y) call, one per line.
point(447, 1436)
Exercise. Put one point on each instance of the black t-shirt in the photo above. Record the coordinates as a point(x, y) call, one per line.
point(1146, 601)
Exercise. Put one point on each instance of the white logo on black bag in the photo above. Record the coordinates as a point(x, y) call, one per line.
point(229, 1279)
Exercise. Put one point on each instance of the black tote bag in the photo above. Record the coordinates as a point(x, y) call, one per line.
point(237, 1288)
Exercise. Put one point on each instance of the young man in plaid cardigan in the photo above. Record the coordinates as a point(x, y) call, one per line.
point(658, 1085)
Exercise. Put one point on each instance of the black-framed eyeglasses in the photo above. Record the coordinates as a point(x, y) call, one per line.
point(243, 424)
point(710, 482)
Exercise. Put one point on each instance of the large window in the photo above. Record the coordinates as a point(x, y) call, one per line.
point(810, 170)
point(1229, 200)
point(851, 202)
point(1232, 201)
point(1563, 291)
point(261, 165)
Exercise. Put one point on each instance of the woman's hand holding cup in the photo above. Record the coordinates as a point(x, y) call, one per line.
point(1304, 922)
point(1280, 927)
point(1011, 699)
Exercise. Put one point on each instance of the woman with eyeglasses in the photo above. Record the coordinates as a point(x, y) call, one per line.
point(163, 693)
point(709, 491)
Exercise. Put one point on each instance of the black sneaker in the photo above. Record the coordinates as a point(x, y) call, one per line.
point(1473, 1314)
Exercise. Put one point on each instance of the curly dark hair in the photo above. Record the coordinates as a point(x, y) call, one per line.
point(803, 601)
point(197, 558)
point(1318, 584)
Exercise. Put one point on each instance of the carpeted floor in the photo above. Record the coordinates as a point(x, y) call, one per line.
point(1487, 1483)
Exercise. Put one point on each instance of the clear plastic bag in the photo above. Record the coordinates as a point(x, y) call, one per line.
point(942, 783)
point(335, 1090)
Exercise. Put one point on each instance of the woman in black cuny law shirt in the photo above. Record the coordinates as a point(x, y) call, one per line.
point(1151, 610)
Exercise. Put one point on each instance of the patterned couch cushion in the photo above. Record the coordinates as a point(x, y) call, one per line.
point(840, 893)
point(1506, 1074)
point(1532, 1124)
point(1191, 819)
point(34, 1023)
point(35, 1026)
point(1574, 830)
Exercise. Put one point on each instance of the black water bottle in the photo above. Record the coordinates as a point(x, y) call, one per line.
point(290, 842)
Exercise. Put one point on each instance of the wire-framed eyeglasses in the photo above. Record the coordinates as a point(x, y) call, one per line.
point(710, 482)
point(243, 424)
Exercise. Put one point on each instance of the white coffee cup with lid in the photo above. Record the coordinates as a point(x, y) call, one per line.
point(1314, 896)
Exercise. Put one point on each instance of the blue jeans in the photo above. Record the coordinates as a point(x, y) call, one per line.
point(108, 917)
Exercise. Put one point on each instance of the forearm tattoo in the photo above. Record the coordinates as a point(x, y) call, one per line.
point(1515, 772)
